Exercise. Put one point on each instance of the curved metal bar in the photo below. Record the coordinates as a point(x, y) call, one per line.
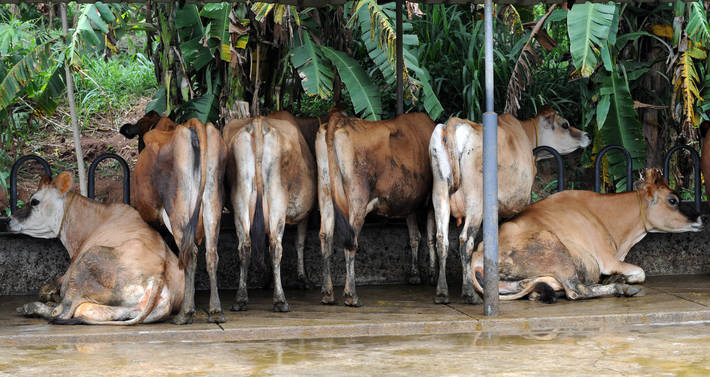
point(126, 176)
point(560, 165)
point(696, 163)
point(13, 176)
point(598, 163)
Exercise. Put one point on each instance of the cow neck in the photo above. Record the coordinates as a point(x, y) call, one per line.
point(530, 128)
point(620, 214)
point(81, 217)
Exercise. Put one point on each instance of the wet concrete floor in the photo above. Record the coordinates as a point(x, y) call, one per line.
point(639, 350)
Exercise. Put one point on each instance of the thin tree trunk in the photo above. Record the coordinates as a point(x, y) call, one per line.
point(72, 109)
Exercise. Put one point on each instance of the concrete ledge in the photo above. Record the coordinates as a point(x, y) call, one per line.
point(390, 311)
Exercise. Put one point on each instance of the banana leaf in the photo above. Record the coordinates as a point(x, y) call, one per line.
point(589, 26)
point(364, 94)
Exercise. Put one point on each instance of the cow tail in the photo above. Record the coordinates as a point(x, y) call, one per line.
point(344, 233)
point(450, 141)
point(257, 231)
point(188, 237)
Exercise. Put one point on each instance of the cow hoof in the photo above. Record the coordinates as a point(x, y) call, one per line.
point(630, 290)
point(472, 299)
point(182, 319)
point(216, 317)
point(353, 302)
point(414, 279)
point(328, 298)
point(441, 299)
point(239, 307)
point(282, 307)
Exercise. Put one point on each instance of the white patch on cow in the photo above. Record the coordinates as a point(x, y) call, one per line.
point(437, 150)
point(463, 131)
point(45, 218)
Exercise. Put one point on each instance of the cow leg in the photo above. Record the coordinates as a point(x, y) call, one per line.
point(212, 211)
point(280, 304)
point(188, 303)
point(242, 298)
point(466, 241)
point(431, 246)
point(580, 291)
point(442, 212)
point(357, 218)
point(37, 309)
point(300, 246)
point(414, 238)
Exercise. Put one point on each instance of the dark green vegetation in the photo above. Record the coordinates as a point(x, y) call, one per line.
point(635, 75)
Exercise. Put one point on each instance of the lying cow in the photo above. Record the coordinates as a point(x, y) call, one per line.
point(365, 167)
point(121, 271)
point(271, 174)
point(566, 241)
point(178, 184)
point(456, 160)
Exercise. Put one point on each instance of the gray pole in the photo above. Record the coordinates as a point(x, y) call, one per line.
point(490, 179)
point(72, 109)
point(400, 59)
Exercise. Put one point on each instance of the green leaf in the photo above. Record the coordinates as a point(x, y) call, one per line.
point(159, 103)
point(364, 94)
point(621, 125)
point(24, 72)
point(589, 27)
point(603, 109)
point(316, 76)
point(698, 29)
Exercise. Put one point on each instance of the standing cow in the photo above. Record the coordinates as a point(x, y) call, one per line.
point(121, 272)
point(456, 160)
point(566, 241)
point(178, 184)
point(367, 166)
point(271, 174)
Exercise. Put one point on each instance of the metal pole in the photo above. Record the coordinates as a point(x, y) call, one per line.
point(400, 59)
point(72, 109)
point(490, 178)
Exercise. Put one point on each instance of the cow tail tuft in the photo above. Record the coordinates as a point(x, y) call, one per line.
point(257, 233)
point(547, 294)
point(198, 175)
point(344, 233)
point(70, 321)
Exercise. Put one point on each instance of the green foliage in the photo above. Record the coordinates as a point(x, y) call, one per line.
point(589, 26)
point(316, 75)
point(364, 95)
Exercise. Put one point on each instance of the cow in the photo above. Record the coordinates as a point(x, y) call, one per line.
point(565, 242)
point(271, 174)
point(456, 162)
point(121, 272)
point(308, 126)
point(369, 166)
point(178, 184)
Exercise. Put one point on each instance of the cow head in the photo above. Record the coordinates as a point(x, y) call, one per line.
point(556, 132)
point(664, 211)
point(149, 121)
point(42, 216)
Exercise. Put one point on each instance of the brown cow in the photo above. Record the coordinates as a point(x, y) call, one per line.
point(178, 184)
point(566, 241)
point(458, 186)
point(308, 126)
point(363, 167)
point(121, 271)
point(271, 174)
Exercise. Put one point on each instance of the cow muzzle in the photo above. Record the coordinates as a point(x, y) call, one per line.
point(585, 140)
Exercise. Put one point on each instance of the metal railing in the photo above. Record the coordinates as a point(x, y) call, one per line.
point(560, 164)
point(91, 177)
point(696, 167)
point(598, 164)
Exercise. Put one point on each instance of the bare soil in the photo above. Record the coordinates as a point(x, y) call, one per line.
point(54, 142)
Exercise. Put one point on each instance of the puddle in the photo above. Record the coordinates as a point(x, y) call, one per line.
point(651, 350)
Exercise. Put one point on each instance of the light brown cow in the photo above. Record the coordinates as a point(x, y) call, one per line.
point(121, 271)
point(456, 160)
point(308, 126)
point(566, 241)
point(178, 184)
point(271, 174)
point(365, 167)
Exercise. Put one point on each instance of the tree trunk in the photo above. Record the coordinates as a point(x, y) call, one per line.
point(72, 110)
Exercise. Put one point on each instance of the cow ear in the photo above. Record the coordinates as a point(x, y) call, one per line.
point(64, 182)
point(129, 130)
point(46, 180)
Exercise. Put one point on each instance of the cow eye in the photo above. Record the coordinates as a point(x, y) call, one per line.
point(565, 125)
point(34, 202)
point(673, 201)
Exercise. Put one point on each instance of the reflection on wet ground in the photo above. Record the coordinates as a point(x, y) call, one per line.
point(635, 350)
